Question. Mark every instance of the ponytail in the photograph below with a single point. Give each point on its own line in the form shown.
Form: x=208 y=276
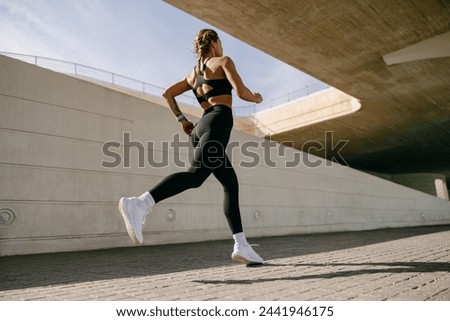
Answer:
x=202 y=43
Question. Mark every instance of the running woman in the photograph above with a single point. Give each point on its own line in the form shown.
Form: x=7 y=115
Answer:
x=212 y=81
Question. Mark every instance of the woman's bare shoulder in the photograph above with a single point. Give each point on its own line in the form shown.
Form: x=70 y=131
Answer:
x=190 y=78
x=225 y=62
x=225 y=59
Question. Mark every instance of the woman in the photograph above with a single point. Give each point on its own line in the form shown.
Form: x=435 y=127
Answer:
x=211 y=80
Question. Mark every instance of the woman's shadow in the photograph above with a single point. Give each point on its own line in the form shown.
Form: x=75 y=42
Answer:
x=369 y=268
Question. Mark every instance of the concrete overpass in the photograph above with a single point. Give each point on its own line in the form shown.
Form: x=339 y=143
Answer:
x=390 y=55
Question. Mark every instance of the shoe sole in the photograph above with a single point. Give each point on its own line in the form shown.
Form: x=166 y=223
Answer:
x=128 y=225
x=243 y=260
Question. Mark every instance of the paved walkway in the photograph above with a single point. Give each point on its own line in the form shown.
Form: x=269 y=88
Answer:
x=393 y=264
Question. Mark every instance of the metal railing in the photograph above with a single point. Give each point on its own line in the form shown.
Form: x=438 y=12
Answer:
x=83 y=71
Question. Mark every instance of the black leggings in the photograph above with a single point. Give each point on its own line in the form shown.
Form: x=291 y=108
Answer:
x=209 y=138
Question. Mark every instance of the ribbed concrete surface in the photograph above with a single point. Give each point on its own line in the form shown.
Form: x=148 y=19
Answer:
x=394 y=264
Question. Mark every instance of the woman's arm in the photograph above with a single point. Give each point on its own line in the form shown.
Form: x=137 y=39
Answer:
x=175 y=90
x=238 y=85
x=170 y=94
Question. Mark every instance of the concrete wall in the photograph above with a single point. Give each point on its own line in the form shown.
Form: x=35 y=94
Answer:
x=53 y=128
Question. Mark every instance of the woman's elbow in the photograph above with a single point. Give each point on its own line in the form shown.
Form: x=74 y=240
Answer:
x=167 y=95
x=243 y=94
x=243 y=97
x=239 y=92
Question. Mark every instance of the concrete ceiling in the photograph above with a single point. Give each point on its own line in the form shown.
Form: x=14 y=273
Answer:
x=404 y=122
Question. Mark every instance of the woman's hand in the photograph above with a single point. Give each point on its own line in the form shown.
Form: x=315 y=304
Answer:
x=188 y=127
x=258 y=97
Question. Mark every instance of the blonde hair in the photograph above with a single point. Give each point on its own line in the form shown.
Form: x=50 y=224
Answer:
x=203 y=41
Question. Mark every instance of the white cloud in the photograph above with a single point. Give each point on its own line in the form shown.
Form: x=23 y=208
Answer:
x=38 y=29
x=146 y=40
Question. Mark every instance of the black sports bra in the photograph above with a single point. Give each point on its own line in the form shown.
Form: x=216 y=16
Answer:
x=219 y=86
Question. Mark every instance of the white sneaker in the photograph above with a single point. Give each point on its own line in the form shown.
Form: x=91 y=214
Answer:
x=134 y=216
x=245 y=254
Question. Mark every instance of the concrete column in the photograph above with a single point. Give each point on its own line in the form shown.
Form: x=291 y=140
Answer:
x=430 y=183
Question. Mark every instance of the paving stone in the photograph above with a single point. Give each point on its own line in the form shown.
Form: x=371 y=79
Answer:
x=391 y=264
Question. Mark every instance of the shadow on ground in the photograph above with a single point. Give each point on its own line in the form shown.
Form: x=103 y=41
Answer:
x=19 y=272
x=361 y=269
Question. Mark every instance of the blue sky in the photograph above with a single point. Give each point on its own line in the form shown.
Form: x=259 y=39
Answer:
x=148 y=40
